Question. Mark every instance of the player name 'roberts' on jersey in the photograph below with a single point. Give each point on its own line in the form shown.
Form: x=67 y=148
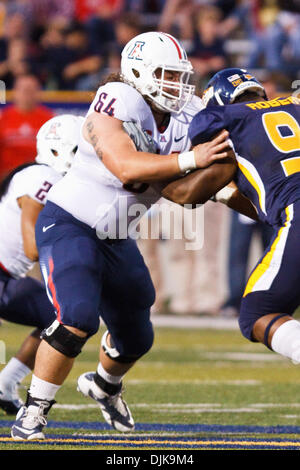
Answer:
x=90 y=192
x=266 y=139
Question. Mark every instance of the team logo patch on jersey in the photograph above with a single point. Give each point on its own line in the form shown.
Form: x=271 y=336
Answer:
x=136 y=51
x=162 y=138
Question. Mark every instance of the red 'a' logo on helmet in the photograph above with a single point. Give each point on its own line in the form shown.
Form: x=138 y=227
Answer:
x=52 y=133
x=136 y=51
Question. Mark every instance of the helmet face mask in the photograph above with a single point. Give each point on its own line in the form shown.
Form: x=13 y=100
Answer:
x=148 y=62
x=57 y=142
x=172 y=95
x=228 y=84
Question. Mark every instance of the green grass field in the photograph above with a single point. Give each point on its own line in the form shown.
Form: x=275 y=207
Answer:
x=205 y=388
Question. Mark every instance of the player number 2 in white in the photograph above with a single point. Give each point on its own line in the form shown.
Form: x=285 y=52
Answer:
x=291 y=143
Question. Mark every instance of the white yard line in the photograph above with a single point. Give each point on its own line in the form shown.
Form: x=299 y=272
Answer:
x=241 y=356
x=188 y=321
x=195 y=382
x=191 y=407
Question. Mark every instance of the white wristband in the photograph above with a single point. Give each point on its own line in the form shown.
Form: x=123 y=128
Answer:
x=224 y=194
x=186 y=161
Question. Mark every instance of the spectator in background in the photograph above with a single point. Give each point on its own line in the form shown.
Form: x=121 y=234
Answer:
x=98 y=17
x=86 y=9
x=126 y=27
x=15 y=52
x=49 y=10
x=207 y=51
x=176 y=18
x=226 y=6
x=18 y=8
x=282 y=44
x=52 y=44
x=19 y=123
x=85 y=59
x=100 y=25
x=255 y=20
x=69 y=58
x=15 y=61
x=145 y=6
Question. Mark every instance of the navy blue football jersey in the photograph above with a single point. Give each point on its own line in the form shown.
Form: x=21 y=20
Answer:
x=266 y=140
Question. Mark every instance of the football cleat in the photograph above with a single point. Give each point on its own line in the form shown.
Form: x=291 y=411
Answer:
x=114 y=409
x=31 y=420
x=10 y=401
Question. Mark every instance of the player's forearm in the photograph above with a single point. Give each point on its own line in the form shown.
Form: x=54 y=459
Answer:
x=199 y=186
x=146 y=167
x=30 y=211
x=242 y=204
x=29 y=243
x=142 y=166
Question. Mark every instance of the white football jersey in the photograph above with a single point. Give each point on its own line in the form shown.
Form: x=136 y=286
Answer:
x=35 y=182
x=90 y=192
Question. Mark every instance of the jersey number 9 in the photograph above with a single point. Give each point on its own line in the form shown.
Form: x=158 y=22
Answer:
x=285 y=144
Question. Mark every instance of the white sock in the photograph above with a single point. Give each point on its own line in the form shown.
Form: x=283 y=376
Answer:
x=112 y=379
x=41 y=389
x=14 y=372
x=286 y=340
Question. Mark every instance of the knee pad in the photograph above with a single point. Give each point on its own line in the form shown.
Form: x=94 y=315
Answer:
x=63 y=340
x=114 y=354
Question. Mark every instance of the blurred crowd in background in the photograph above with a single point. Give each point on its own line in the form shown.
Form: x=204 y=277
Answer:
x=74 y=44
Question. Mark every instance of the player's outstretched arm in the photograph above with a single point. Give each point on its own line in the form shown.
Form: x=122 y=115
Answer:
x=213 y=182
x=30 y=211
x=118 y=153
x=199 y=186
x=237 y=201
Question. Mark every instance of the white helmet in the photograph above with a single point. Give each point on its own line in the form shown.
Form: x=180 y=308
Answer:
x=146 y=53
x=57 y=141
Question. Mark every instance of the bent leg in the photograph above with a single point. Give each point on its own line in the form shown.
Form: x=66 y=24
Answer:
x=128 y=295
x=25 y=302
x=27 y=352
x=272 y=292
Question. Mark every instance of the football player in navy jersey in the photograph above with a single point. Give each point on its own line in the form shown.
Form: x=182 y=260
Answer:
x=265 y=137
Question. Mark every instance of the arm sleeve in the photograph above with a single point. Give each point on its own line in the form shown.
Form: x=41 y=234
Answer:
x=35 y=182
x=205 y=125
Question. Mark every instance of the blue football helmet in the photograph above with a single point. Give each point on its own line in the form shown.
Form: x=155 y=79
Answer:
x=225 y=86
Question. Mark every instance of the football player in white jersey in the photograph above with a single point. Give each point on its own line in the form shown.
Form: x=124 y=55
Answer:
x=90 y=263
x=23 y=194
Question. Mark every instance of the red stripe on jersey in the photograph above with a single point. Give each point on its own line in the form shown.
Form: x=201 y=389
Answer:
x=4 y=269
x=52 y=289
x=176 y=44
